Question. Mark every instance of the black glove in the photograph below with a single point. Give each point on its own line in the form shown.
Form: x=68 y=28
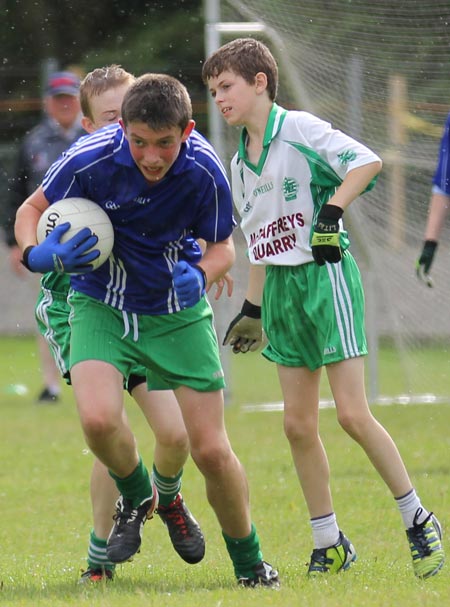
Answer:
x=245 y=331
x=325 y=242
x=425 y=260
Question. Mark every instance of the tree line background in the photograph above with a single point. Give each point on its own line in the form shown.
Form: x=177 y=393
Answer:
x=165 y=36
x=168 y=36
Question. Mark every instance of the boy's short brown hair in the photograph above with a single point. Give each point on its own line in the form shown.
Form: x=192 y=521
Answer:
x=100 y=80
x=244 y=57
x=159 y=101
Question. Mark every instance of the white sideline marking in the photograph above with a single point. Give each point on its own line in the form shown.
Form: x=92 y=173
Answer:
x=401 y=399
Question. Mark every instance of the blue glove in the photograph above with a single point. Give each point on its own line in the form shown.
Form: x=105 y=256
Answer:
x=72 y=256
x=189 y=283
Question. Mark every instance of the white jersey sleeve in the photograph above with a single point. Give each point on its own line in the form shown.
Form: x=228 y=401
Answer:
x=303 y=161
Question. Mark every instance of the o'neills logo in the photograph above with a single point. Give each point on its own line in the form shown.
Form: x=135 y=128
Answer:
x=263 y=189
x=52 y=221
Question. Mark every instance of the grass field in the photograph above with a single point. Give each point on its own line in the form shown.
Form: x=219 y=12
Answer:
x=45 y=510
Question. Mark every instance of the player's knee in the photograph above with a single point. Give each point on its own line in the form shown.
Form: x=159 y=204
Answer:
x=211 y=457
x=354 y=425
x=174 y=439
x=299 y=430
x=98 y=427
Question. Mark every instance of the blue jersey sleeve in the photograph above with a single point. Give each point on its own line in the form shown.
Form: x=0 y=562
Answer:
x=60 y=182
x=441 y=177
x=215 y=221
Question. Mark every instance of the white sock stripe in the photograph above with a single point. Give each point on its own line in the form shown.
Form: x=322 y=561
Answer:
x=167 y=488
x=98 y=555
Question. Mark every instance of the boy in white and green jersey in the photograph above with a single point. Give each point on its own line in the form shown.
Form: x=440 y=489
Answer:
x=292 y=178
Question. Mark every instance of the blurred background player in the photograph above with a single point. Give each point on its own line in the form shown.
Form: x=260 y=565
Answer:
x=438 y=209
x=58 y=129
x=101 y=95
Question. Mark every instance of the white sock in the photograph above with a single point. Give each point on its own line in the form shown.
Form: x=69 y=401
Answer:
x=325 y=531
x=410 y=506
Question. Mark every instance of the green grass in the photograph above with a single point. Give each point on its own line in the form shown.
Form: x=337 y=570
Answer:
x=45 y=511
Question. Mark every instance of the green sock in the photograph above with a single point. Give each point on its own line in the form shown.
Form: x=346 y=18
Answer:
x=245 y=553
x=137 y=486
x=168 y=486
x=97 y=558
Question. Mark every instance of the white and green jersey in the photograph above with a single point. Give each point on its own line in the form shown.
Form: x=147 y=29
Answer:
x=303 y=161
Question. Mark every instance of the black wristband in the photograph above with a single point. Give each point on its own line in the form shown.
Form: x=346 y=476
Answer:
x=203 y=274
x=25 y=256
x=330 y=211
x=430 y=246
x=250 y=310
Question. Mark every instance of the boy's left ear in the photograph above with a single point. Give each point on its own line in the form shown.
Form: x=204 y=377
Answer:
x=261 y=81
x=188 y=130
x=87 y=124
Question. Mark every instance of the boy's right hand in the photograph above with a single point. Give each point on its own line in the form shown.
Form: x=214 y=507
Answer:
x=72 y=256
x=325 y=241
x=245 y=332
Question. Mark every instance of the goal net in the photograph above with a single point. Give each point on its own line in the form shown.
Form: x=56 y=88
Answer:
x=380 y=72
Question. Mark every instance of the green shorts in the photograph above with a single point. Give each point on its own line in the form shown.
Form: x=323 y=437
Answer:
x=177 y=349
x=52 y=315
x=314 y=315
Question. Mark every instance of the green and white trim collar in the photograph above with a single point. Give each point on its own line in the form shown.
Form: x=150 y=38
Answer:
x=276 y=118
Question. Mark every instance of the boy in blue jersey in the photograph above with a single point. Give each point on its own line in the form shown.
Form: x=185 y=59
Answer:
x=101 y=96
x=163 y=188
x=439 y=207
x=292 y=178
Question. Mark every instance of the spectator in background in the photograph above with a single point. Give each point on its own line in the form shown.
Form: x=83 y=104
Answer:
x=58 y=129
x=438 y=209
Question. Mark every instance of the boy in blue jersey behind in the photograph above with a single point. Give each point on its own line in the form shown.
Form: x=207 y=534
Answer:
x=438 y=208
x=163 y=188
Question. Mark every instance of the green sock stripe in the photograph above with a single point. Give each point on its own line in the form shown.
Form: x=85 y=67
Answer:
x=244 y=552
x=97 y=553
x=97 y=541
x=168 y=486
x=137 y=486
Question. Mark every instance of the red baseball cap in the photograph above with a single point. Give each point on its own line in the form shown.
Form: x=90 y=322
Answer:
x=63 y=83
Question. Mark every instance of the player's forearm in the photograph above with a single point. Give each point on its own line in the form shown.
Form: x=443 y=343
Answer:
x=255 y=288
x=354 y=184
x=25 y=226
x=27 y=218
x=217 y=259
x=439 y=207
